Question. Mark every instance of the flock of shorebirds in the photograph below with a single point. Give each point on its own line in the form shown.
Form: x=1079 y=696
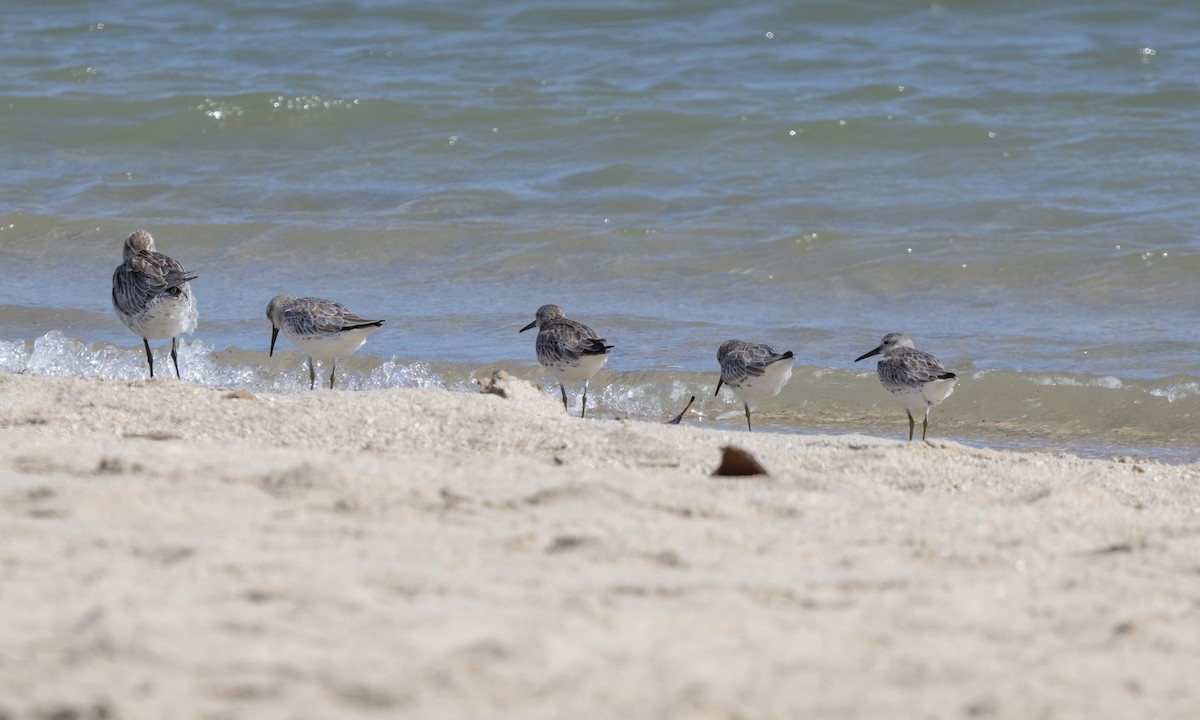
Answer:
x=152 y=295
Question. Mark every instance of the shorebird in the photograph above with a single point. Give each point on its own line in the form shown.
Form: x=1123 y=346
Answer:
x=151 y=295
x=755 y=371
x=571 y=349
x=320 y=328
x=916 y=379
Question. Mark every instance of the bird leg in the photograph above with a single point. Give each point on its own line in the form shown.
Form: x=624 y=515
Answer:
x=332 y=370
x=149 y=356
x=925 y=426
x=584 y=410
x=175 y=359
x=747 y=406
x=911 y=424
x=312 y=375
x=564 y=396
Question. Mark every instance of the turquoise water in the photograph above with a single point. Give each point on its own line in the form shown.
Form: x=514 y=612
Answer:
x=1014 y=187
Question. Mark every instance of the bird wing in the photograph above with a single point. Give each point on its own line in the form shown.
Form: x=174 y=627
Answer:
x=158 y=272
x=314 y=316
x=750 y=360
x=913 y=366
x=567 y=341
x=148 y=276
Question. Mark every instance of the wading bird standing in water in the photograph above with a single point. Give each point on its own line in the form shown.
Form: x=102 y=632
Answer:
x=754 y=371
x=152 y=295
x=571 y=349
x=320 y=328
x=916 y=379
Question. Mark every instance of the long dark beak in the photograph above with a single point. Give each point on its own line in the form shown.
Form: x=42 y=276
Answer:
x=718 y=392
x=679 y=418
x=528 y=327
x=274 y=334
x=876 y=351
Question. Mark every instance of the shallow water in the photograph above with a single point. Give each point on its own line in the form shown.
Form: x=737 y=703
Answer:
x=1013 y=188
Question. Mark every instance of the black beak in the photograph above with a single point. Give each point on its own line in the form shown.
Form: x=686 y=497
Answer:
x=274 y=334
x=528 y=327
x=679 y=418
x=876 y=351
x=718 y=392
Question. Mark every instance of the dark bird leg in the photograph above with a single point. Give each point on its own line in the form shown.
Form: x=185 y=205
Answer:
x=564 y=394
x=584 y=410
x=925 y=425
x=747 y=406
x=312 y=375
x=175 y=359
x=332 y=370
x=911 y=424
x=149 y=356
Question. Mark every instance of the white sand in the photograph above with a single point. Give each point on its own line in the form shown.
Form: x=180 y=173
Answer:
x=167 y=552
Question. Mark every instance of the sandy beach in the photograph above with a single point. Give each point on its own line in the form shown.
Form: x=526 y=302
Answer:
x=168 y=551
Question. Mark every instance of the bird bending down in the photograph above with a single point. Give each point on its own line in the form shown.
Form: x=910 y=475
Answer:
x=319 y=328
x=916 y=379
x=571 y=349
x=755 y=371
x=151 y=295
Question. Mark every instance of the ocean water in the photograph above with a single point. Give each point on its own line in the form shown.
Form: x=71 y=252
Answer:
x=1014 y=185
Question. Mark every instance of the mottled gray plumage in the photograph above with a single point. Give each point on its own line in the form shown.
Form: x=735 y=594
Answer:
x=741 y=360
x=320 y=328
x=915 y=378
x=151 y=295
x=571 y=349
x=755 y=371
x=562 y=341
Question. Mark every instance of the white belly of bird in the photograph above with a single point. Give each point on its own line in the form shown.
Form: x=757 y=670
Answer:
x=918 y=398
x=328 y=346
x=584 y=369
x=755 y=389
x=169 y=317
